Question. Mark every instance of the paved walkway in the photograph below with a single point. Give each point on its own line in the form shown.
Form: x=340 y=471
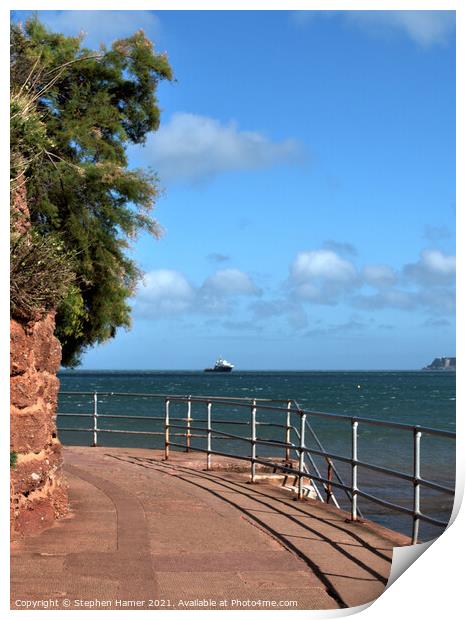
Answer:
x=168 y=534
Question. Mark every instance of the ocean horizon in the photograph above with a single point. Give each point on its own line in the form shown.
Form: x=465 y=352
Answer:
x=71 y=371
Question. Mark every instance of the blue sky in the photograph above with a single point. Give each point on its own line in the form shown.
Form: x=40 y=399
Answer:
x=308 y=166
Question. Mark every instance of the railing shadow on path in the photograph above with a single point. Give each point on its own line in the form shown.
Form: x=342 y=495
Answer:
x=272 y=502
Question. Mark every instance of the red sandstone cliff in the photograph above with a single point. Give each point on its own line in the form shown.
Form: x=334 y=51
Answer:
x=38 y=491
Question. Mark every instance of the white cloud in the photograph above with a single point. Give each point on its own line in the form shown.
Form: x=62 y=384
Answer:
x=428 y=284
x=379 y=276
x=433 y=268
x=100 y=26
x=425 y=28
x=168 y=293
x=321 y=276
x=324 y=264
x=191 y=148
x=324 y=277
x=230 y=282
x=164 y=292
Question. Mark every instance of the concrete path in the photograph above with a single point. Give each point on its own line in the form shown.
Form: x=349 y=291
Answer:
x=149 y=533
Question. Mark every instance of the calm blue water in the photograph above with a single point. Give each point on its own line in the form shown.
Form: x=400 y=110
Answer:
x=423 y=398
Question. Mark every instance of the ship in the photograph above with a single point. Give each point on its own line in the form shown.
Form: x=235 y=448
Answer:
x=442 y=363
x=221 y=365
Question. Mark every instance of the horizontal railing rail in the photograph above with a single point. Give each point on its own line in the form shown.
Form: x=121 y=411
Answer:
x=304 y=466
x=238 y=402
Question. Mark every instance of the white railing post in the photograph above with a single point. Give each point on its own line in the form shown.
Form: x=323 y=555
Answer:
x=253 y=441
x=95 y=415
x=288 y=431
x=416 y=485
x=167 y=428
x=302 y=445
x=354 y=471
x=188 y=426
x=209 y=435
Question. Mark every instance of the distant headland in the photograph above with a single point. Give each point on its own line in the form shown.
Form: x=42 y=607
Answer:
x=442 y=363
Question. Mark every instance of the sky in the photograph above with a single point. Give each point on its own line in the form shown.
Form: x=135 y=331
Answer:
x=307 y=161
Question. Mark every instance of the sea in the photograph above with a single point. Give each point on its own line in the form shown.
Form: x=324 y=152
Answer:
x=420 y=398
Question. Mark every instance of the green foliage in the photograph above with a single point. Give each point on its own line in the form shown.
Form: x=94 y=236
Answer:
x=13 y=460
x=75 y=315
x=28 y=136
x=41 y=271
x=88 y=107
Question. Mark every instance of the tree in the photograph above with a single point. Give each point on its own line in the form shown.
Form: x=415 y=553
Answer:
x=88 y=107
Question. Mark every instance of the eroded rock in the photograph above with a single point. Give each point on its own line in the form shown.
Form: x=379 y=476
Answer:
x=38 y=492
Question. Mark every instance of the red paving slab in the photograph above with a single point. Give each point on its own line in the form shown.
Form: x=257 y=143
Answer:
x=148 y=533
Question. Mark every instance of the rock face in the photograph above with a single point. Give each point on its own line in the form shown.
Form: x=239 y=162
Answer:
x=38 y=492
x=442 y=363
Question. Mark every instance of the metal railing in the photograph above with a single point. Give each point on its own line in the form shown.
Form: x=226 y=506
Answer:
x=297 y=434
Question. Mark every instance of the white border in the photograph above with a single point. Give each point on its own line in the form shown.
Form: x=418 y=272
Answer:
x=434 y=586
